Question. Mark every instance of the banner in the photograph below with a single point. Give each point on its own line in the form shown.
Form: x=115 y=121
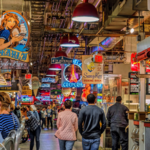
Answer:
x=15 y=33
x=61 y=60
x=92 y=73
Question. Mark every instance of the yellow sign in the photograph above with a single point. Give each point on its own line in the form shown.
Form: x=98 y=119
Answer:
x=26 y=90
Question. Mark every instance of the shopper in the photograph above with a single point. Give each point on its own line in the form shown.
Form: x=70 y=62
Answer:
x=91 y=116
x=17 y=112
x=12 y=108
x=118 y=121
x=7 y=121
x=43 y=116
x=75 y=108
x=35 y=128
x=49 y=117
x=67 y=124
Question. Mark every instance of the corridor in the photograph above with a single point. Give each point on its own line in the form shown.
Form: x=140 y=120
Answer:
x=49 y=142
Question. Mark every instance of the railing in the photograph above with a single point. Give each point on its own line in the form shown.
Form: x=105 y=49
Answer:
x=14 y=139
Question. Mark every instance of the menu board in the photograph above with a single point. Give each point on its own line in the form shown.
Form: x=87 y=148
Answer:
x=134 y=83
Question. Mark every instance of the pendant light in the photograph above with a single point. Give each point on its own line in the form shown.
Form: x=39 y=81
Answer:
x=69 y=41
x=85 y=12
x=50 y=73
x=55 y=67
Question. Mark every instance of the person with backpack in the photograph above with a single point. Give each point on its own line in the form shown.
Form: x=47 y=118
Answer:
x=35 y=128
x=18 y=113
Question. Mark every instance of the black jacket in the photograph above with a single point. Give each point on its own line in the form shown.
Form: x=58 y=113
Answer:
x=91 y=116
x=117 y=116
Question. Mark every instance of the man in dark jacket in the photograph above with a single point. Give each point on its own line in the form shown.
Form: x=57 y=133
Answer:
x=91 y=116
x=118 y=121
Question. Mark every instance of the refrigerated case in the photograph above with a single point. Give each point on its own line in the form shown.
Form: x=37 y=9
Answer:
x=111 y=89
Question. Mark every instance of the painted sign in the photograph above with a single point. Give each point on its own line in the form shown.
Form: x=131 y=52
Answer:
x=72 y=74
x=13 y=88
x=61 y=60
x=14 y=36
x=92 y=73
x=2 y=80
x=49 y=80
x=45 y=85
x=6 y=63
x=26 y=90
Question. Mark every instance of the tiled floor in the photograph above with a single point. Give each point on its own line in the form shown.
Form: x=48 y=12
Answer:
x=49 y=142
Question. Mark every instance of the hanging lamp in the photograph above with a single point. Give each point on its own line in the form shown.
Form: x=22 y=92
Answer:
x=69 y=41
x=51 y=73
x=55 y=67
x=85 y=12
x=60 y=54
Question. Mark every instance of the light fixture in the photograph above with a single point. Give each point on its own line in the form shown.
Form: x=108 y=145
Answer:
x=28 y=22
x=85 y=12
x=50 y=73
x=60 y=53
x=31 y=63
x=54 y=67
x=132 y=30
x=69 y=41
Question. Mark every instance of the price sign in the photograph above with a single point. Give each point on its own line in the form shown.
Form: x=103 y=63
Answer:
x=28 y=76
x=98 y=58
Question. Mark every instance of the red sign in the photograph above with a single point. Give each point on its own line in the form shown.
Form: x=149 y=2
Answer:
x=98 y=58
x=28 y=76
x=135 y=66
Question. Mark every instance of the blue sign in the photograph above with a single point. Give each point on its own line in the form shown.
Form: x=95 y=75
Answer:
x=50 y=80
x=61 y=60
x=45 y=85
x=66 y=83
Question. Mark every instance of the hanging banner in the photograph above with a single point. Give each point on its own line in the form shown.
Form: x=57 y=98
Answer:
x=15 y=33
x=92 y=73
x=61 y=60
x=49 y=80
x=6 y=63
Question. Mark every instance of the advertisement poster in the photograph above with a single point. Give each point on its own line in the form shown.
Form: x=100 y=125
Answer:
x=92 y=73
x=14 y=37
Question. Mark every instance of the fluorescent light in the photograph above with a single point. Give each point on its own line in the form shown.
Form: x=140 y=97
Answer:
x=132 y=30
x=69 y=45
x=85 y=19
x=31 y=63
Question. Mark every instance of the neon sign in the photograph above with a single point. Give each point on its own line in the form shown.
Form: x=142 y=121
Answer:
x=50 y=80
x=45 y=85
x=26 y=98
x=66 y=82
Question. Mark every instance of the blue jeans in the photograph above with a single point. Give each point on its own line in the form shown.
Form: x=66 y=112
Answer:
x=66 y=145
x=90 y=144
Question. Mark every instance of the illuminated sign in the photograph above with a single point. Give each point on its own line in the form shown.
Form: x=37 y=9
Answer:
x=28 y=76
x=16 y=36
x=99 y=92
x=50 y=80
x=66 y=77
x=61 y=60
x=26 y=98
x=45 y=85
x=98 y=58
x=55 y=92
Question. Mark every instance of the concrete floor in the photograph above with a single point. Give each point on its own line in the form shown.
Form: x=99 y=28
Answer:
x=48 y=142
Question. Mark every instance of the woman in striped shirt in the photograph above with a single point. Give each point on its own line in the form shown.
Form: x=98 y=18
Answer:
x=7 y=121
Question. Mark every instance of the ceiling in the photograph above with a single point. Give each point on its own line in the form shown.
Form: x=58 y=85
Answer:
x=51 y=19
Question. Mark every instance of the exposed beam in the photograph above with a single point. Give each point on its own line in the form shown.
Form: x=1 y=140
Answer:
x=125 y=16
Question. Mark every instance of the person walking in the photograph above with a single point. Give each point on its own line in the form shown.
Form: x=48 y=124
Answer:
x=118 y=121
x=49 y=117
x=35 y=128
x=91 y=116
x=43 y=116
x=67 y=124
x=7 y=121
x=17 y=112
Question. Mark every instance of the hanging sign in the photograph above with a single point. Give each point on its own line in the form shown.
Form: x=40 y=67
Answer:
x=92 y=73
x=45 y=85
x=61 y=60
x=28 y=76
x=98 y=58
x=26 y=90
x=26 y=98
x=6 y=63
x=15 y=33
x=2 y=80
x=49 y=80
x=7 y=76
x=55 y=92
x=72 y=75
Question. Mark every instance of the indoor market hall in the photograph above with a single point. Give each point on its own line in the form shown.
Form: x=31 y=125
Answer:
x=74 y=74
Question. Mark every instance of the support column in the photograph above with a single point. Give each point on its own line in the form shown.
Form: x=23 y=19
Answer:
x=142 y=93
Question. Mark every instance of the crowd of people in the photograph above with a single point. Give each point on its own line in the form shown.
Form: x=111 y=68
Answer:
x=89 y=121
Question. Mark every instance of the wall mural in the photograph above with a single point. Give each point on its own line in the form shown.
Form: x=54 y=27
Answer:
x=14 y=39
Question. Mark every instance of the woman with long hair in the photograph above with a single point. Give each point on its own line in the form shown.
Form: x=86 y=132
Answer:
x=67 y=124
x=8 y=27
x=7 y=121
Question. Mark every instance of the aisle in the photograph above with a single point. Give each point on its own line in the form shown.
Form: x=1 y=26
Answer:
x=48 y=142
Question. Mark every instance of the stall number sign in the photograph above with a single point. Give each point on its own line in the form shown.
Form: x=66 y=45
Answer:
x=26 y=90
